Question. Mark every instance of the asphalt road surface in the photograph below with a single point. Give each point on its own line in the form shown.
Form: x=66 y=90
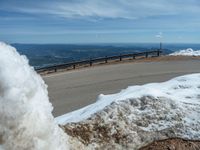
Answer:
x=72 y=90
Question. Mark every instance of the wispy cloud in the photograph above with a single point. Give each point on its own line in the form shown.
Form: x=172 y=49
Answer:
x=127 y=9
x=137 y=19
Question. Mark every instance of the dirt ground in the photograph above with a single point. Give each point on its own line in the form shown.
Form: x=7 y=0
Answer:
x=173 y=144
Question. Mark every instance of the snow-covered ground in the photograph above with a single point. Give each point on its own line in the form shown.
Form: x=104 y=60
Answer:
x=186 y=52
x=139 y=115
x=126 y=120
x=184 y=89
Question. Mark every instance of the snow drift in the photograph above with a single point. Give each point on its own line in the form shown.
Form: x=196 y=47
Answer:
x=139 y=115
x=186 y=52
x=181 y=90
x=26 y=121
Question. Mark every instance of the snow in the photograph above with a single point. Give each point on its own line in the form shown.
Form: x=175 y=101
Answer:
x=186 y=52
x=133 y=117
x=26 y=120
x=184 y=89
x=139 y=115
x=1 y=147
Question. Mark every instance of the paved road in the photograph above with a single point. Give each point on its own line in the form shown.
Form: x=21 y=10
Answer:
x=69 y=91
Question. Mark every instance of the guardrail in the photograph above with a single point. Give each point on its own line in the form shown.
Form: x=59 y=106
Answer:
x=90 y=62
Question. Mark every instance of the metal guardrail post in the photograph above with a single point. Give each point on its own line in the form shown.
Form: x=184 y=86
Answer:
x=158 y=53
x=106 y=59
x=90 y=62
x=146 y=54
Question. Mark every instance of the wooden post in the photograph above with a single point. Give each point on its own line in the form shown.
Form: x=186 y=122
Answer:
x=133 y=56
x=74 y=66
x=55 y=70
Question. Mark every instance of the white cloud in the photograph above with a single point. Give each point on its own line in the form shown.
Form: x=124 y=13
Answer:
x=128 y=9
x=159 y=35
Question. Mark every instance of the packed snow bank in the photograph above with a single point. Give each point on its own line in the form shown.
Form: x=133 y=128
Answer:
x=26 y=121
x=184 y=89
x=139 y=115
x=186 y=52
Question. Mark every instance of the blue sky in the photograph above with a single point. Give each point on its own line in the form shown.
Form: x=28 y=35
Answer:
x=99 y=21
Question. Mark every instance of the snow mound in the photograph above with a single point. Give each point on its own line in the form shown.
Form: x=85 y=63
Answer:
x=134 y=123
x=186 y=52
x=139 y=115
x=181 y=90
x=26 y=121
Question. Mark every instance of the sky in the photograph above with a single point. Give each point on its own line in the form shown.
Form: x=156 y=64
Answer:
x=100 y=21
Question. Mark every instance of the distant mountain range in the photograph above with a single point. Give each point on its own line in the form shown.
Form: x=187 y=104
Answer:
x=41 y=55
